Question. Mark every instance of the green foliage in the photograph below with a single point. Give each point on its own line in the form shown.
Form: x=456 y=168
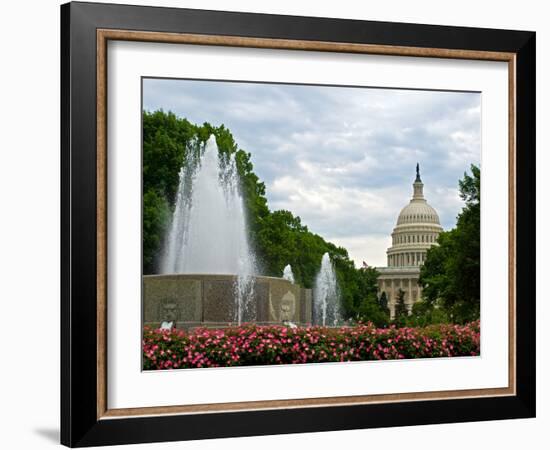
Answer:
x=165 y=139
x=368 y=281
x=282 y=240
x=451 y=272
x=278 y=237
x=371 y=309
x=383 y=303
x=425 y=313
x=401 y=313
x=156 y=216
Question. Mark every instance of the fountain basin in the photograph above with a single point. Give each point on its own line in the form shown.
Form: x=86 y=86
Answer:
x=193 y=300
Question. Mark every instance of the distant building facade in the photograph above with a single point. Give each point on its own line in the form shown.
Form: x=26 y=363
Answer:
x=416 y=231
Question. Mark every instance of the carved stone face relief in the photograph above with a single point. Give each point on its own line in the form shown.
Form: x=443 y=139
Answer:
x=288 y=307
x=168 y=311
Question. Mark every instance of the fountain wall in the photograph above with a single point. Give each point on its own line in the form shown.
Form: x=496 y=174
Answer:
x=209 y=300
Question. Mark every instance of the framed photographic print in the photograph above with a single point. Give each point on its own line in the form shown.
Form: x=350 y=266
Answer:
x=276 y=224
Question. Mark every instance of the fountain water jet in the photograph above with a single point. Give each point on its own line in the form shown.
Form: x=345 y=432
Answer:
x=287 y=273
x=208 y=232
x=326 y=298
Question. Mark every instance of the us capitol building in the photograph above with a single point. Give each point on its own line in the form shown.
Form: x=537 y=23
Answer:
x=416 y=231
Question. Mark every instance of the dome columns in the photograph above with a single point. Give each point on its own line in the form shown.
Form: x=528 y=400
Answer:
x=411 y=258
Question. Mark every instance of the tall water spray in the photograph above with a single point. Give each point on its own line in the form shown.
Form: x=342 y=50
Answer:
x=287 y=273
x=326 y=298
x=208 y=232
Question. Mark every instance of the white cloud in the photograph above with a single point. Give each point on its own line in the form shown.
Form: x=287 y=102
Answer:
x=368 y=248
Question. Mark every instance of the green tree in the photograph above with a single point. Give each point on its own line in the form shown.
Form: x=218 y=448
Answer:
x=425 y=313
x=383 y=303
x=370 y=308
x=156 y=216
x=401 y=313
x=451 y=272
x=370 y=311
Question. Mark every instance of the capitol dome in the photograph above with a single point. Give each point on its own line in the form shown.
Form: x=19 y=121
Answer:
x=418 y=211
x=416 y=230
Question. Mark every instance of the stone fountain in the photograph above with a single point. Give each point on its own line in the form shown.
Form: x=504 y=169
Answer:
x=209 y=274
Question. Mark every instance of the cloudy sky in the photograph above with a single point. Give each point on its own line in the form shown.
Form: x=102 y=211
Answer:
x=343 y=159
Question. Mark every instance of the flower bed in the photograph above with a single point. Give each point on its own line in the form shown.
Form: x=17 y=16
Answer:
x=249 y=345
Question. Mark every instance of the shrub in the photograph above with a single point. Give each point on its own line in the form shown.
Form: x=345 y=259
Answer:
x=249 y=345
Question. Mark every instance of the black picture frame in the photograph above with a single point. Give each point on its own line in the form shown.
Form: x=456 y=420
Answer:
x=80 y=425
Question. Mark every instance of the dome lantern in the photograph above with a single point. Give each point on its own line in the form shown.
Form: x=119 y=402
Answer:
x=418 y=211
x=418 y=186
